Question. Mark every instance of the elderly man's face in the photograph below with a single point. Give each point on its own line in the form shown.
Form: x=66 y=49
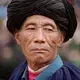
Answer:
x=39 y=38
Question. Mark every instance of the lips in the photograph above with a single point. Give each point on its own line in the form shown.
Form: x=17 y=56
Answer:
x=39 y=50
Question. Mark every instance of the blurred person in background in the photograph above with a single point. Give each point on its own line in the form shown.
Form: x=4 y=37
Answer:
x=40 y=27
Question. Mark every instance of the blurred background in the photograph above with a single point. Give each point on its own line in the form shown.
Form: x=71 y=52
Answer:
x=11 y=55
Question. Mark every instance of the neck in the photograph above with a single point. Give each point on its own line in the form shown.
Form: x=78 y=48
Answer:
x=38 y=66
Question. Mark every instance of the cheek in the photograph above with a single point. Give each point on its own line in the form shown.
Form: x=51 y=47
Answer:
x=25 y=40
x=52 y=39
x=55 y=38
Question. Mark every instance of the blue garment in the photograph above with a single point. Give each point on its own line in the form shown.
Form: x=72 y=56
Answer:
x=50 y=70
x=55 y=71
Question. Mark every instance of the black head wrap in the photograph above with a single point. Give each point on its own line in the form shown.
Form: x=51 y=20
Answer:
x=61 y=11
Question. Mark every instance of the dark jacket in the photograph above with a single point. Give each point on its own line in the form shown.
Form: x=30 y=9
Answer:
x=67 y=72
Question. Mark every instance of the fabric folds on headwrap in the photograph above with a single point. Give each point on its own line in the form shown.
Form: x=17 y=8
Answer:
x=72 y=25
x=60 y=11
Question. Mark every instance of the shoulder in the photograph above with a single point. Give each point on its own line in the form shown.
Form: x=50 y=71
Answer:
x=72 y=70
x=71 y=67
x=68 y=72
x=18 y=71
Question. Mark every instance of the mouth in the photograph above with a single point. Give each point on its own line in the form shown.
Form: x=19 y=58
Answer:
x=39 y=50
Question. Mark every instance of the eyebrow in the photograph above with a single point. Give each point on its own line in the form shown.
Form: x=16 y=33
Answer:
x=31 y=23
x=53 y=26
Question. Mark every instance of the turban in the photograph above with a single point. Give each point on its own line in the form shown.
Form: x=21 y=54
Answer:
x=61 y=11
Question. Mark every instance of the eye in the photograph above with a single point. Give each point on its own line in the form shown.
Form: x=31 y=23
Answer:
x=30 y=28
x=48 y=29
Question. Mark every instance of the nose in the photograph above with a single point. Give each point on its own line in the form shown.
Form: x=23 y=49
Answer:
x=39 y=37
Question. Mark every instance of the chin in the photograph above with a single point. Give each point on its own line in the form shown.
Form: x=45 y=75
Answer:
x=42 y=60
x=38 y=59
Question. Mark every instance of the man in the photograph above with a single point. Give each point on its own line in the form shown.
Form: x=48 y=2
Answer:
x=40 y=27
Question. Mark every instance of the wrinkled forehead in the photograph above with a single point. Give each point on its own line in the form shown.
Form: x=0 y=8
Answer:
x=39 y=20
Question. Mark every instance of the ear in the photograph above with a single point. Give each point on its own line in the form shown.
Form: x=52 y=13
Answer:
x=17 y=38
x=61 y=40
